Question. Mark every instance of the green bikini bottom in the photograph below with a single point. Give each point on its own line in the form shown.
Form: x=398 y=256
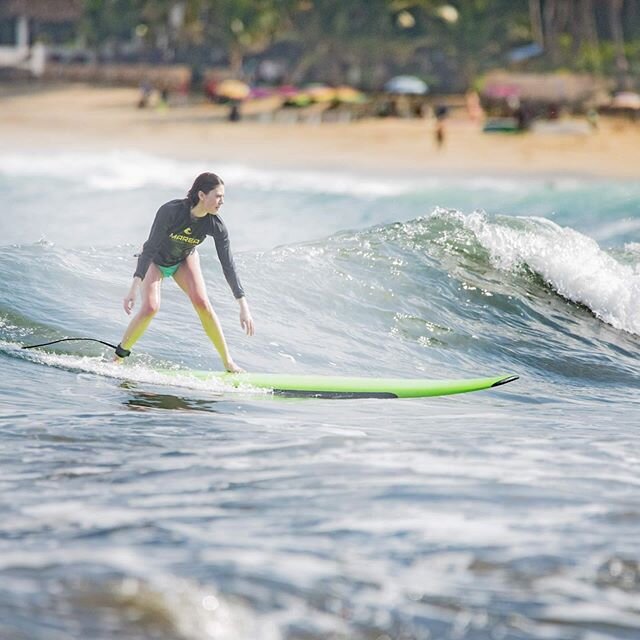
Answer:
x=168 y=272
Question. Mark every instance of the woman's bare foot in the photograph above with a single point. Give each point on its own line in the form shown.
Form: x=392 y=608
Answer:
x=232 y=367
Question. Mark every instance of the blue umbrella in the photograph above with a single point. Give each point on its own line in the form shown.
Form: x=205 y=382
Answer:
x=406 y=84
x=519 y=54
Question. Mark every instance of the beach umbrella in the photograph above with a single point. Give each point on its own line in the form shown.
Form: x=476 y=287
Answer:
x=288 y=91
x=293 y=96
x=320 y=92
x=501 y=90
x=626 y=100
x=301 y=99
x=233 y=90
x=349 y=95
x=261 y=92
x=409 y=85
x=526 y=52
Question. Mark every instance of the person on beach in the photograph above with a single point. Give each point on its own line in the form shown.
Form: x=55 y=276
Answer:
x=170 y=251
x=441 y=115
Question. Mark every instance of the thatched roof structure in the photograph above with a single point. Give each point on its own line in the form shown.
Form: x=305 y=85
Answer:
x=559 y=88
x=42 y=10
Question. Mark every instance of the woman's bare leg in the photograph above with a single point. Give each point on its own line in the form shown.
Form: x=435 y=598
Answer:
x=190 y=280
x=149 y=306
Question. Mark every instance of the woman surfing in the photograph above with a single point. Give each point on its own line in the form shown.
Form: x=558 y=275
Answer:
x=170 y=251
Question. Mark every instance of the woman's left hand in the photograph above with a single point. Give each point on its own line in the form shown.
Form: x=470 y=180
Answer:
x=246 y=321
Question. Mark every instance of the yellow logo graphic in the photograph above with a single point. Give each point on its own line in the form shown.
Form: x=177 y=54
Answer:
x=187 y=231
x=182 y=238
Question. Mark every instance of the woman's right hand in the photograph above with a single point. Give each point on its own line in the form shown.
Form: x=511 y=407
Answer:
x=130 y=299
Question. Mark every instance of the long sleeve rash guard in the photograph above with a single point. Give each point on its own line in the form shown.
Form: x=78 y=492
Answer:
x=175 y=234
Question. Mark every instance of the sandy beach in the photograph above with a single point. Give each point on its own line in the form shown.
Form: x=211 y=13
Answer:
x=79 y=117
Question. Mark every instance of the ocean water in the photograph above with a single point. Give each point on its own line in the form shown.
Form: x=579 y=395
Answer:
x=136 y=507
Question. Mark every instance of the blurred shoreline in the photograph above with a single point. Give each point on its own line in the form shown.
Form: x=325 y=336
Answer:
x=74 y=117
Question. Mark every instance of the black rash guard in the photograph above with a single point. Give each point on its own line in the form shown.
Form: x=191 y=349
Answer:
x=175 y=234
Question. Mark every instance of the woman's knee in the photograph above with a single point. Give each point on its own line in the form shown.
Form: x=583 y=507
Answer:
x=201 y=303
x=150 y=307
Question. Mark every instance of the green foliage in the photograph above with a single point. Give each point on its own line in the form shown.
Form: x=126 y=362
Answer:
x=364 y=41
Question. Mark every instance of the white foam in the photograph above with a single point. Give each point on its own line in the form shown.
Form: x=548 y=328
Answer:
x=625 y=226
x=120 y=170
x=127 y=170
x=130 y=372
x=570 y=262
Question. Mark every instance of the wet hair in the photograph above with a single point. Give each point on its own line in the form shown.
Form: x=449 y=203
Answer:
x=205 y=182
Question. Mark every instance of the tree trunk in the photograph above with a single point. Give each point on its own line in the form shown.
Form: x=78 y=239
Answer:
x=535 y=17
x=564 y=13
x=236 y=60
x=617 y=35
x=588 y=32
x=550 y=16
x=587 y=11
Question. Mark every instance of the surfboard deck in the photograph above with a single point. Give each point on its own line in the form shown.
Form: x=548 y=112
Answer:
x=344 y=386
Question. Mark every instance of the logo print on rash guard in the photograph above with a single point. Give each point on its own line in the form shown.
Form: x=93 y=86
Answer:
x=184 y=237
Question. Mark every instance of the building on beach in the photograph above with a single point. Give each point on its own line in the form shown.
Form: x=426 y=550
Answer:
x=19 y=22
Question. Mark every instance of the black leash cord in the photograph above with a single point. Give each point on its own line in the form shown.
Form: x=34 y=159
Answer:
x=46 y=344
